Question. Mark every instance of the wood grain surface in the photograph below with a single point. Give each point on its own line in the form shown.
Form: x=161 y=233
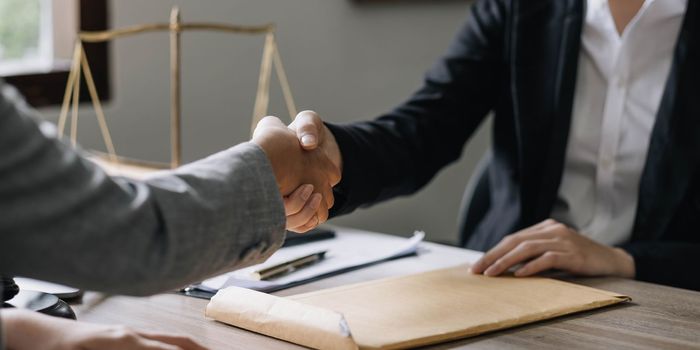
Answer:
x=659 y=317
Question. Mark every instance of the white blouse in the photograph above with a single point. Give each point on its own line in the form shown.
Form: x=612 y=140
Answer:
x=620 y=81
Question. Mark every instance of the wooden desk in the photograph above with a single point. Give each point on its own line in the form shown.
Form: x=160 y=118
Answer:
x=659 y=317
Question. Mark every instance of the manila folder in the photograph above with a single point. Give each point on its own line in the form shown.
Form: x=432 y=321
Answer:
x=408 y=311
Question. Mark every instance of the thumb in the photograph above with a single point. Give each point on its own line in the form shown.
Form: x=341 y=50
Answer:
x=308 y=126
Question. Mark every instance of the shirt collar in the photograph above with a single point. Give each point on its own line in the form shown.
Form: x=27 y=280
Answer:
x=661 y=9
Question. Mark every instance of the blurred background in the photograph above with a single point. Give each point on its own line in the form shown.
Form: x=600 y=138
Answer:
x=347 y=60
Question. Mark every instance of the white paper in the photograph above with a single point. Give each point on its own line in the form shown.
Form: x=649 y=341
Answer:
x=345 y=251
x=58 y=290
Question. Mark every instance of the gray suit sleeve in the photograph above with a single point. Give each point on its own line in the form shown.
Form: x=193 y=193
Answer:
x=63 y=219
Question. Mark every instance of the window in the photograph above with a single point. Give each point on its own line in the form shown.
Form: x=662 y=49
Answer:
x=26 y=44
x=36 y=45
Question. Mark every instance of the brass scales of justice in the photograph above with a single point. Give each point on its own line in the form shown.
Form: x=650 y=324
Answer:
x=110 y=161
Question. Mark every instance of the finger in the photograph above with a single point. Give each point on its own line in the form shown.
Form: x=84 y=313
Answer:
x=544 y=223
x=311 y=224
x=328 y=197
x=185 y=343
x=545 y=229
x=306 y=213
x=334 y=176
x=546 y=261
x=522 y=252
x=308 y=126
x=322 y=213
x=296 y=201
x=539 y=231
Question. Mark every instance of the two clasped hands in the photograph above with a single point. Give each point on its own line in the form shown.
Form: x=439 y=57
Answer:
x=307 y=163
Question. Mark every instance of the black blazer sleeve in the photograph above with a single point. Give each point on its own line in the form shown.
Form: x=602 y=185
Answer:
x=401 y=151
x=671 y=263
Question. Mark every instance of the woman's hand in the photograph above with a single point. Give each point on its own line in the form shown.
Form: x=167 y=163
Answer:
x=30 y=330
x=301 y=209
x=552 y=245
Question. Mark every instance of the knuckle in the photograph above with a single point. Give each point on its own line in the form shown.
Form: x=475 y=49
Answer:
x=550 y=221
x=330 y=199
x=560 y=232
x=293 y=205
x=485 y=261
x=297 y=229
x=527 y=246
x=303 y=229
x=304 y=211
x=568 y=245
x=309 y=115
x=309 y=213
x=292 y=223
x=308 y=128
x=122 y=333
x=269 y=118
x=313 y=222
x=559 y=228
x=550 y=258
x=508 y=239
x=322 y=217
x=334 y=176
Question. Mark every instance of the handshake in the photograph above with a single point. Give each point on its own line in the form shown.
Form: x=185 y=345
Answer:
x=307 y=164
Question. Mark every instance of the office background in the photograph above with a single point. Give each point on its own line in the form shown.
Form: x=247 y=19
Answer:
x=348 y=60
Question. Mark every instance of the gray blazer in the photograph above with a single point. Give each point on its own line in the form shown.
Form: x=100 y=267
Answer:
x=63 y=219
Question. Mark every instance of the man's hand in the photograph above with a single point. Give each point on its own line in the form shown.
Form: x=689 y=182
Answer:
x=301 y=208
x=293 y=167
x=552 y=245
x=30 y=330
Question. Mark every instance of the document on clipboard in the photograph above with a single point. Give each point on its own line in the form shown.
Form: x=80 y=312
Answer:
x=344 y=253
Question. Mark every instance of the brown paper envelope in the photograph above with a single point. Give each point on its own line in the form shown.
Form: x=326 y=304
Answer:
x=449 y=304
x=281 y=318
x=405 y=311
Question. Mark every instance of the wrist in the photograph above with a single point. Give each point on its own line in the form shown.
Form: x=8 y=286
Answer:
x=333 y=150
x=624 y=263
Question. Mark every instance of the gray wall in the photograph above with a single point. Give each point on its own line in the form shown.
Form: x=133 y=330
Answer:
x=346 y=60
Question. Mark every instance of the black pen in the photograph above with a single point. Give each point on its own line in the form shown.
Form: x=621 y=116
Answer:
x=288 y=266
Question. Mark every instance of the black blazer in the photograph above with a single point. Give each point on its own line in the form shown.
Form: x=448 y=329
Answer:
x=518 y=58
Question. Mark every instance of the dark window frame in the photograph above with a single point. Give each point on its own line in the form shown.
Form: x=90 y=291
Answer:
x=47 y=89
